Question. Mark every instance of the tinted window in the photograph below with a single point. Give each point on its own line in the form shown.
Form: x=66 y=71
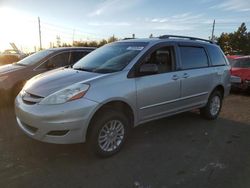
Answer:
x=231 y=61
x=56 y=61
x=35 y=58
x=60 y=60
x=76 y=56
x=161 y=57
x=193 y=57
x=216 y=56
x=241 y=63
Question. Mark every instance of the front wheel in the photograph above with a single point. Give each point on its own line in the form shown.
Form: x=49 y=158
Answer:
x=213 y=107
x=108 y=133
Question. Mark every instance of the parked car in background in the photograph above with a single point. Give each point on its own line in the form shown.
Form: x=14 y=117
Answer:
x=11 y=55
x=13 y=76
x=240 y=68
x=232 y=57
x=120 y=86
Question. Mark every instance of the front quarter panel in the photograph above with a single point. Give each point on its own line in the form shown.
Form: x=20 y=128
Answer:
x=115 y=87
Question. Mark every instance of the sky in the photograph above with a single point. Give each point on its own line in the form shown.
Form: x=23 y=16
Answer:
x=98 y=19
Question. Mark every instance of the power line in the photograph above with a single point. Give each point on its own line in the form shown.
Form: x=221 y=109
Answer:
x=70 y=29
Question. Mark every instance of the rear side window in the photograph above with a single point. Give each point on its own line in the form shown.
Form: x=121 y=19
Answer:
x=216 y=56
x=193 y=57
x=60 y=60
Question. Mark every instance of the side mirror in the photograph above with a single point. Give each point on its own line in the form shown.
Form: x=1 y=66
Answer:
x=50 y=65
x=147 y=69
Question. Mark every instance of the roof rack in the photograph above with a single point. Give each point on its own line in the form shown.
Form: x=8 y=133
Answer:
x=185 y=37
x=128 y=38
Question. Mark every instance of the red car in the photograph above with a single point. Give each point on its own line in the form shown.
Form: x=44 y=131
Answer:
x=240 y=68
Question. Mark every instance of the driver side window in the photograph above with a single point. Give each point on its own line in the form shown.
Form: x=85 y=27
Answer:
x=162 y=58
x=60 y=60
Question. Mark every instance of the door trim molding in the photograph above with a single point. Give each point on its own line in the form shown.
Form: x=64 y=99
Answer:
x=174 y=100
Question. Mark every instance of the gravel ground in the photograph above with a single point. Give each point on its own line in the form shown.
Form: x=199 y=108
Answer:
x=180 y=151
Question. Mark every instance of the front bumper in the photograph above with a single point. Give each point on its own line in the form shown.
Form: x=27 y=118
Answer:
x=61 y=124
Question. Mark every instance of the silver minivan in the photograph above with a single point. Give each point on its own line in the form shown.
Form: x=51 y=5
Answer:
x=120 y=86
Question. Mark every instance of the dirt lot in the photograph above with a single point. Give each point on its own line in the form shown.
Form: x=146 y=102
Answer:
x=180 y=151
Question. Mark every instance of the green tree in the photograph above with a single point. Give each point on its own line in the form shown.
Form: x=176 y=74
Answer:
x=92 y=43
x=224 y=41
x=237 y=42
x=112 y=39
x=65 y=45
x=102 y=42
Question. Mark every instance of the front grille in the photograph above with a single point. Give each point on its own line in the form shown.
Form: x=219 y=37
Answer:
x=30 y=99
x=58 y=133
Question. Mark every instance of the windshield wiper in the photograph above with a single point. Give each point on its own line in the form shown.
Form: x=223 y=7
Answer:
x=104 y=70
x=83 y=69
x=20 y=64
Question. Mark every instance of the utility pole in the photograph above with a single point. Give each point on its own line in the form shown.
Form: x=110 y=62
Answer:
x=58 y=41
x=73 y=38
x=212 y=37
x=40 y=35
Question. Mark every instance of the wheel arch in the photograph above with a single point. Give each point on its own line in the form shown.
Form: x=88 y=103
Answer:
x=118 y=104
x=219 y=88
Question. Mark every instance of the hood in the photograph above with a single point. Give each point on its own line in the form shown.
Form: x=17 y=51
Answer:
x=243 y=73
x=9 y=68
x=52 y=81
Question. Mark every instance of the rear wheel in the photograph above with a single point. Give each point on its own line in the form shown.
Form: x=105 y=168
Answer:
x=108 y=133
x=213 y=107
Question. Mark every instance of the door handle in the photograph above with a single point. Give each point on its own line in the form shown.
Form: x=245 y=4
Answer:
x=185 y=75
x=175 y=77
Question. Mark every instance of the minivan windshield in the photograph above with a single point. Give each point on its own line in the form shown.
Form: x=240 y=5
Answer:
x=110 y=58
x=34 y=58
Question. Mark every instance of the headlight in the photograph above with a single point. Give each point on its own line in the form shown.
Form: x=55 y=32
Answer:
x=22 y=93
x=2 y=78
x=70 y=93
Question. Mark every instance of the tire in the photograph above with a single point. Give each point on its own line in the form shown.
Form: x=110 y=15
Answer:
x=213 y=107
x=108 y=133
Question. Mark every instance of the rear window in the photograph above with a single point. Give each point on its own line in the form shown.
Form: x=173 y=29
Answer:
x=193 y=57
x=231 y=61
x=217 y=58
x=241 y=63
